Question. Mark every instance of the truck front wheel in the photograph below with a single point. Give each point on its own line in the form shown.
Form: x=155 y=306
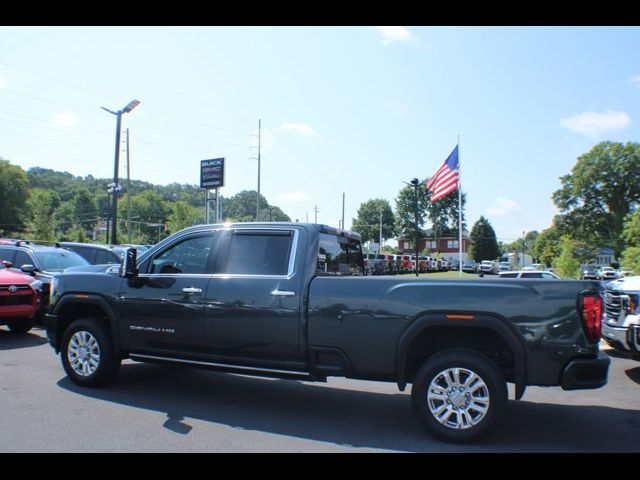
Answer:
x=458 y=395
x=87 y=354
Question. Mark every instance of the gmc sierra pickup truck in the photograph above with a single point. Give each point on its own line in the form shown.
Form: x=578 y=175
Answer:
x=289 y=300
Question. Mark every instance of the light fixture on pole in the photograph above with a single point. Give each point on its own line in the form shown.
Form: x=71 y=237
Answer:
x=114 y=208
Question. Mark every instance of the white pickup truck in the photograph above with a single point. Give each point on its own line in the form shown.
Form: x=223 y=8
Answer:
x=621 y=319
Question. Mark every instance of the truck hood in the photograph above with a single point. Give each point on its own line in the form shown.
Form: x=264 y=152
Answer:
x=626 y=284
x=91 y=268
x=8 y=277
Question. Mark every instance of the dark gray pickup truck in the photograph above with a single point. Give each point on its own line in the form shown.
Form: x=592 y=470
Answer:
x=290 y=300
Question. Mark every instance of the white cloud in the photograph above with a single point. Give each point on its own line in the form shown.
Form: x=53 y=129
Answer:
x=64 y=119
x=635 y=80
x=593 y=124
x=502 y=207
x=296 y=196
x=297 y=128
x=393 y=34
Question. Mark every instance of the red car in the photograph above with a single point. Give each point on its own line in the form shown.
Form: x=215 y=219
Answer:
x=20 y=297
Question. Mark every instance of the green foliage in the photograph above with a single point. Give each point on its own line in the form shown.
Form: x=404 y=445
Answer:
x=443 y=215
x=567 y=264
x=631 y=235
x=406 y=212
x=631 y=259
x=14 y=185
x=485 y=245
x=182 y=216
x=546 y=246
x=602 y=189
x=85 y=212
x=367 y=222
x=40 y=204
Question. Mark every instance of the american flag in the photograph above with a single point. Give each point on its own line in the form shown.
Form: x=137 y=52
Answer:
x=446 y=179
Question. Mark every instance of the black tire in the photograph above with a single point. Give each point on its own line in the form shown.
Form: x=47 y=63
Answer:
x=107 y=365
x=445 y=429
x=21 y=326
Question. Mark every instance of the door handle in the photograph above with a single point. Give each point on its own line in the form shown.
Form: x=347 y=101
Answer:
x=192 y=290
x=282 y=293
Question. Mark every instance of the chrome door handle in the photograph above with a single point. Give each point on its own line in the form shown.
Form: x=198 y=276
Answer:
x=282 y=293
x=191 y=290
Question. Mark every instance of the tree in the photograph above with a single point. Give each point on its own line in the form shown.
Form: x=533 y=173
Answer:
x=567 y=265
x=546 y=246
x=631 y=235
x=14 y=185
x=40 y=204
x=367 y=221
x=405 y=211
x=182 y=216
x=85 y=212
x=443 y=215
x=603 y=187
x=485 y=245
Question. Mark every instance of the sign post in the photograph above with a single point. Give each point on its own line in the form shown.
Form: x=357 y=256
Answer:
x=212 y=176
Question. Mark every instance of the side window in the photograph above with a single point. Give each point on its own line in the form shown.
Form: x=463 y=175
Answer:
x=188 y=256
x=259 y=253
x=340 y=256
x=547 y=275
x=22 y=259
x=104 y=256
x=83 y=252
x=532 y=275
x=509 y=275
x=7 y=254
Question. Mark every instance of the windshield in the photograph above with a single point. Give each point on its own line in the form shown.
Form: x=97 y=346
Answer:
x=58 y=261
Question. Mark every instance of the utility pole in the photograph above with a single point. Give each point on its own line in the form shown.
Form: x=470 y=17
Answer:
x=128 y=190
x=415 y=182
x=380 y=244
x=343 y=210
x=258 y=198
x=315 y=209
x=523 y=249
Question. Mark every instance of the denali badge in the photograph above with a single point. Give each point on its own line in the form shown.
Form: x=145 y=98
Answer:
x=152 y=329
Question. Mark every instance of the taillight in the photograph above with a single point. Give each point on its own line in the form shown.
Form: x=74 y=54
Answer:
x=592 y=315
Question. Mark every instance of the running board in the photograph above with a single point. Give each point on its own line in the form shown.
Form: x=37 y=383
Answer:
x=237 y=369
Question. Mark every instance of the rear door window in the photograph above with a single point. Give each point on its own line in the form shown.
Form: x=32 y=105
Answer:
x=259 y=253
x=22 y=258
x=7 y=254
x=339 y=256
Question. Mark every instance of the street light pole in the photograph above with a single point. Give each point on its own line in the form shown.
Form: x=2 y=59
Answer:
x=415 y=182
x=114 y=209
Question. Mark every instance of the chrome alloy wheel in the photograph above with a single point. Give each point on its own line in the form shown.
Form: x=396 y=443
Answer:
x=458 y=398
x=83 y=353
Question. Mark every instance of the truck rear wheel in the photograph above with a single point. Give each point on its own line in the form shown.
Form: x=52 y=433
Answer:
x=458 y=395
x=87 y=354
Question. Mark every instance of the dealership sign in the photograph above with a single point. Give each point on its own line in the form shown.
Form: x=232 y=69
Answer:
x=212 y=173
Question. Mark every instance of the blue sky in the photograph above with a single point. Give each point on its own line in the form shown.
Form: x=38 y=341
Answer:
x=343 y=109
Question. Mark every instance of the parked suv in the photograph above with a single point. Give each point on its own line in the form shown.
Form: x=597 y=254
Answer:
x=488 y=266
x=20 y=297
x=621 y=322
x=608 y=273
x=39 y=261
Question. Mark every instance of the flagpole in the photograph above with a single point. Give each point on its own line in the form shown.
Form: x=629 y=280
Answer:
x=459 y=213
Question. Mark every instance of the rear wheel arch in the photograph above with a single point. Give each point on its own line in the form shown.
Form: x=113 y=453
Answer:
x=433 y=332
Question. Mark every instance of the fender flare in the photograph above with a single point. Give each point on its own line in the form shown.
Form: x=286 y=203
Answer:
x=90 y=299
x=482 y=320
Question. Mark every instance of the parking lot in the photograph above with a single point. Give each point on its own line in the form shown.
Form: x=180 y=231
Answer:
x=153 y=408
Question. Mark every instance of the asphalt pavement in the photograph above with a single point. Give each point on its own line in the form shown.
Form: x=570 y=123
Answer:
x=152 y=408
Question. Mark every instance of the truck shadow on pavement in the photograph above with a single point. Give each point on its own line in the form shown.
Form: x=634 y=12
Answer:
x=342 y=416
x=12 y=341
x=634 y=374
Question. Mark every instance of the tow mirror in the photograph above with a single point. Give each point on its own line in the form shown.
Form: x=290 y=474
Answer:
x=129 y=263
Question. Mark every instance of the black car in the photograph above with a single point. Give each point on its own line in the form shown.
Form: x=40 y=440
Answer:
x=96 y=253
x=40 y=261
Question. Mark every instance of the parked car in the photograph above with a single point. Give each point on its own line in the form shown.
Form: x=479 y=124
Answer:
x=20 y=299
x=97 y=253
x=607 y=273
x=39 y=261
x=489 y=266
x=505 y=266
x=470 y=266
x=621 y=319
x=529 y=274
x=589 y=273
x=251 y=299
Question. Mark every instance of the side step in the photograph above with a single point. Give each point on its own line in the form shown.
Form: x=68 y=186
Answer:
x=238 y=369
